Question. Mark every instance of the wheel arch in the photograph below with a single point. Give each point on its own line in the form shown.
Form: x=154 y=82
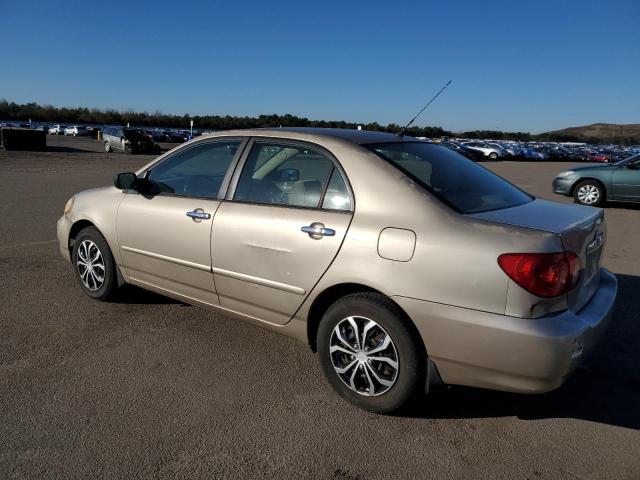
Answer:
x=80 y=225
x=76 y=228
x=593 y=179
x=335 y=292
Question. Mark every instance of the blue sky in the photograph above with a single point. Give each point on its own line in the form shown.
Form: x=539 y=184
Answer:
x=515 y=65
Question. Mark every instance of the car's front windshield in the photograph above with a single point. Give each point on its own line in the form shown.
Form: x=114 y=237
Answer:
x=630 y=159
x=459 y=182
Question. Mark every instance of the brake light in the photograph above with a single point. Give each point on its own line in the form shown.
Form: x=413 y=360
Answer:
x=545 y=275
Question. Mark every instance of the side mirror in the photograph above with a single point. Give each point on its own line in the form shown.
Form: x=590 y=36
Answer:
x=126 y=181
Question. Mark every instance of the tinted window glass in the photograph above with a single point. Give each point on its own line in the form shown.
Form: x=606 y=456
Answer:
x=135 y=134
x=194 y=172
x=634 y=159
x=458 y=181
x=284 y=175
x=337 y=196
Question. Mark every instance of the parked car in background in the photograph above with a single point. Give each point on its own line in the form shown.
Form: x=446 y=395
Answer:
x=488 y=151
x=402 y=263
x=501 y=148
x=76 y=131
x=57 y=130
x=530 y=152
x=595 y=184
x=160 y=136
x=512 y=150
x=463 y=150
x=128 y=140
x=179 y=136
x=595 y=156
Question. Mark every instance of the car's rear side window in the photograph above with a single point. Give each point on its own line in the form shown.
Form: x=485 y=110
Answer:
x=291 y=175
x=459 y=182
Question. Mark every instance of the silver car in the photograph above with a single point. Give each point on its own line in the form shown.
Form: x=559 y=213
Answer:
x=402 y=263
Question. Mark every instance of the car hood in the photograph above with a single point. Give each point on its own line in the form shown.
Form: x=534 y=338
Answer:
x=582 y=168
x=94 y=190
x=552 y=217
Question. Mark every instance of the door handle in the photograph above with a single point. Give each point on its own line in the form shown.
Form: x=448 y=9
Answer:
x=199 y=214
x=317 y=230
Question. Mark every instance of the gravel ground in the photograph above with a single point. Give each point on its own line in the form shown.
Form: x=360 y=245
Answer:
x=151 y=388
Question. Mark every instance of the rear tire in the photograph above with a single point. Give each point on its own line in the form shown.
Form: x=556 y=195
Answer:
x=493 y=155
x=107 y=147
x=93 y=265
x=352 y=365
x=589 y=192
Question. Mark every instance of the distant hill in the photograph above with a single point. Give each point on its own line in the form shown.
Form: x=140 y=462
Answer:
x=599 y=133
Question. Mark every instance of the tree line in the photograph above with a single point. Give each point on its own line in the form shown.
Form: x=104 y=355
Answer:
x=12 y=111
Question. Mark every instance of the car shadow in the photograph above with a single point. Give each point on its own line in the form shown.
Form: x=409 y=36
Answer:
x=605 y=389
x=622 y=206
x=138 y=296
x=52 y=148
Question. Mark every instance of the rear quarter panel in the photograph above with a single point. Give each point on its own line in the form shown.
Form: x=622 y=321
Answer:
x=455 y=258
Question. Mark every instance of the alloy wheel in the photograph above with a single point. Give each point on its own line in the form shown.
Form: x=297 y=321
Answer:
x=364 y=356
x=90 y=265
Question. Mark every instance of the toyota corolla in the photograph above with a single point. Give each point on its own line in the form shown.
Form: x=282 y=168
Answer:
x=402 y=263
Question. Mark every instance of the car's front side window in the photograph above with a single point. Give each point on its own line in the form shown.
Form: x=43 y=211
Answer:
x=197 y=171
x=294 y=175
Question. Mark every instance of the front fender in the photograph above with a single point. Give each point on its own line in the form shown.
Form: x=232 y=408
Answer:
x=100 y=208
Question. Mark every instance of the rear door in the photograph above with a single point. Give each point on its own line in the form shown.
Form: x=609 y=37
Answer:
x=280 y=228
x=165 y=235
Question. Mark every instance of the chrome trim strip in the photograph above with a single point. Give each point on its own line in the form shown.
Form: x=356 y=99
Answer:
x=177 y=261
x=260 y=281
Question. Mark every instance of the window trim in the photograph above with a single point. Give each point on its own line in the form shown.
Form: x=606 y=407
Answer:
x=227 y=176
x=231 y=190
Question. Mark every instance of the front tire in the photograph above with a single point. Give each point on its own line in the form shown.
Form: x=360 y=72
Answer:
x=107 y=147
x=493 y=156
x=93 y=265
x=589 y=192
x=370 y=354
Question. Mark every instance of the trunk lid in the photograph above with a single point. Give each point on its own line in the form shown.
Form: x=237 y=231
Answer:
x=581 y=229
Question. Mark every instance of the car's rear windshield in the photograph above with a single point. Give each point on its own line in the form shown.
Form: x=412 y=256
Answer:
x=459 y=182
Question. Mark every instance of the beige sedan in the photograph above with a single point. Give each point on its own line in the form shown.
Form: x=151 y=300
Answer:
x=402 y=263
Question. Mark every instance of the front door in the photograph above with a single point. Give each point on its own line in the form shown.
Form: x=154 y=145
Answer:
x=279 y=230
x=625 y=182
x=164 y=232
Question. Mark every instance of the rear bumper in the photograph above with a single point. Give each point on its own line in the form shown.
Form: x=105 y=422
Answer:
x=562 y=186
x=493 y=351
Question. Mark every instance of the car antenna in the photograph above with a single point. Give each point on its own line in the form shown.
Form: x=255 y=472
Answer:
x=402 y=130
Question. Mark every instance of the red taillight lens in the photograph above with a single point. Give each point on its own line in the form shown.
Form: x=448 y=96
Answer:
x=545 y=275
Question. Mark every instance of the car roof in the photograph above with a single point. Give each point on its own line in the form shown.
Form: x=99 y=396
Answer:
x=359 y=137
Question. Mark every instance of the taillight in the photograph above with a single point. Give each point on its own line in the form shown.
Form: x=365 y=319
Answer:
x=545 y=275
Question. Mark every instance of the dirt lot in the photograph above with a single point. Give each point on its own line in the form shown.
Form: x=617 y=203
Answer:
x=151 y=388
